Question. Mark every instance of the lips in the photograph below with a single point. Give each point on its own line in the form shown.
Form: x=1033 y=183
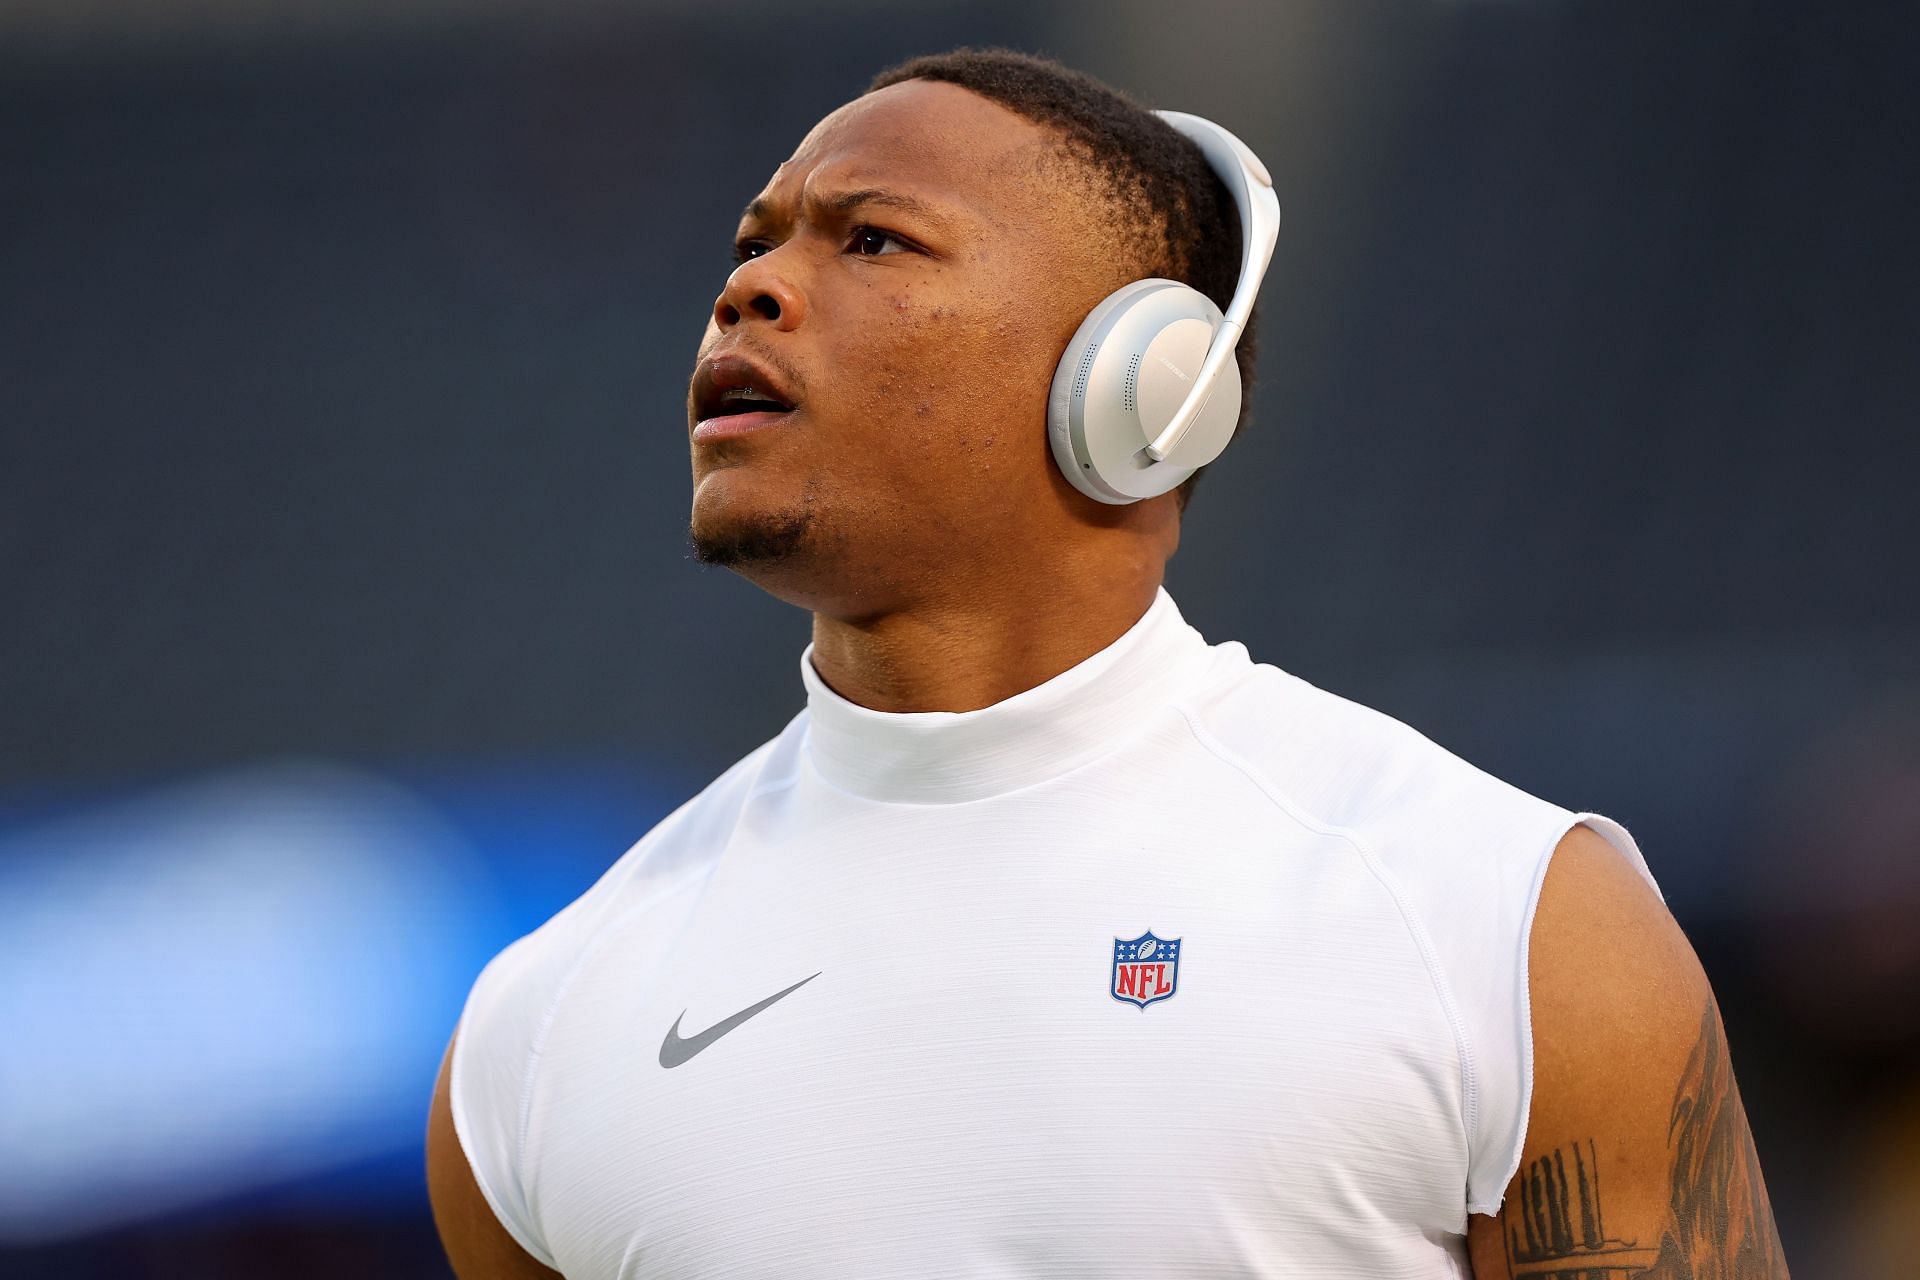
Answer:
x=732 y=394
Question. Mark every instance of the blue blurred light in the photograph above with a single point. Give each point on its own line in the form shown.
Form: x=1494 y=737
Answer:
x=250 y=980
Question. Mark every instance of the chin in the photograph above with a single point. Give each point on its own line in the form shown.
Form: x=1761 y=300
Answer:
x=776 y=539
x=731 y=529
x=789 y=539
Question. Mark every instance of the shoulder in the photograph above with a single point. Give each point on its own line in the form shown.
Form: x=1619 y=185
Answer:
x=1619 y=999
x=492 y=1066
x=1337 y=765
x=1617 y=996
x=1594 y=908
x=1464 y=854
x=1634 y=1092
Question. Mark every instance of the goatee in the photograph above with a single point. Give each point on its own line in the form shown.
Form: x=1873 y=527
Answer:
x=761 y=541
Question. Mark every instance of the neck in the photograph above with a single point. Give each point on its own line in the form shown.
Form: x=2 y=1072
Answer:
x=972 y=651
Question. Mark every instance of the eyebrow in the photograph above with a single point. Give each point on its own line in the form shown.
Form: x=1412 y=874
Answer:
x=760 y=209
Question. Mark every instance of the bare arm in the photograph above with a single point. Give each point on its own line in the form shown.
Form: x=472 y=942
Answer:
x=477 y=1245
x=1639 y=1164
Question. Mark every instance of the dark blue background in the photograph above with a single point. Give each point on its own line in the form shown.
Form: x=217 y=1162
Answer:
x=341 y=372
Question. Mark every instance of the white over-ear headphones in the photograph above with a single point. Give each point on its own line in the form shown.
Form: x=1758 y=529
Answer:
x=1147 y=392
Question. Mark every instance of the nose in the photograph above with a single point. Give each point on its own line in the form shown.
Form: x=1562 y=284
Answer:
x=761 y=289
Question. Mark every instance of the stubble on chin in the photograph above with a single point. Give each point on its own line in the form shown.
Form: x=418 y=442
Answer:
x=765 y=539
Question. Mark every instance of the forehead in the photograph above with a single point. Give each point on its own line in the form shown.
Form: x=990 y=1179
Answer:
x=933 y=140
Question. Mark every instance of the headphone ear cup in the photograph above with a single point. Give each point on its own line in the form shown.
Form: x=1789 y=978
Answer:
x=1165 y=377
x=1121 y=380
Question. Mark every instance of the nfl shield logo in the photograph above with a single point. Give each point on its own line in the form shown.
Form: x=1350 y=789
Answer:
x=1146 y=969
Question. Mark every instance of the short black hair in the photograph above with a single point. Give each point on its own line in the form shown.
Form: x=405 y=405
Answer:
x=1177 y=213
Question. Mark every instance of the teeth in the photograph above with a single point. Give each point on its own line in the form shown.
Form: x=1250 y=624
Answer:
x=734 y=395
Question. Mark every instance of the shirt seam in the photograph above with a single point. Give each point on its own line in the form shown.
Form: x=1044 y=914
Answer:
x=1409 y=918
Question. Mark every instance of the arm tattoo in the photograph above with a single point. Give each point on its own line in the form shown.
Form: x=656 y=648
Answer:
x=1720 y=1225
x=1562 y=1231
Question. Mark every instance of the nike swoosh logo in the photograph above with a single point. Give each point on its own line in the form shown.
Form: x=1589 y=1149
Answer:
x=674 y=1050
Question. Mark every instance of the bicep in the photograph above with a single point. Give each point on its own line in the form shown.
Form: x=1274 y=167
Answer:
x=1638 y=1160
x=478 y=1247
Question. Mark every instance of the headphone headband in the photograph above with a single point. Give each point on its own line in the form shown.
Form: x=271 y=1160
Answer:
x=1147 y=391
x=1252 y=189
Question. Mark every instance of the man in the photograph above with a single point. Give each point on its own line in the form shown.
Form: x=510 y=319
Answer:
x=1050 y=940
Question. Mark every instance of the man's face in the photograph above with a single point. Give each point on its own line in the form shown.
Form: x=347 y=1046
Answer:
x=868 y=415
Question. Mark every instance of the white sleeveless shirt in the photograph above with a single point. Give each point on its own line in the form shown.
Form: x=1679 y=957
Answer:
x=1172 y=966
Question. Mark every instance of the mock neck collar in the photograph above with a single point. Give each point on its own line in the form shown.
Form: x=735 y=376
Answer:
x=944 y=757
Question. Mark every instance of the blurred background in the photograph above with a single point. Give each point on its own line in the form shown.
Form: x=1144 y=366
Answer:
x=350 y=630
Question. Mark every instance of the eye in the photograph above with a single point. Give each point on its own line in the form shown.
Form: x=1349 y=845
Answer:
x=871 y=242
x=746 y=249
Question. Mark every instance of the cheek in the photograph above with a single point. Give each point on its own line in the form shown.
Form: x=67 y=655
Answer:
x=954 y=375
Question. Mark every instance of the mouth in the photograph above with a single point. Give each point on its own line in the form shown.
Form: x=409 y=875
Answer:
x=732 y=396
